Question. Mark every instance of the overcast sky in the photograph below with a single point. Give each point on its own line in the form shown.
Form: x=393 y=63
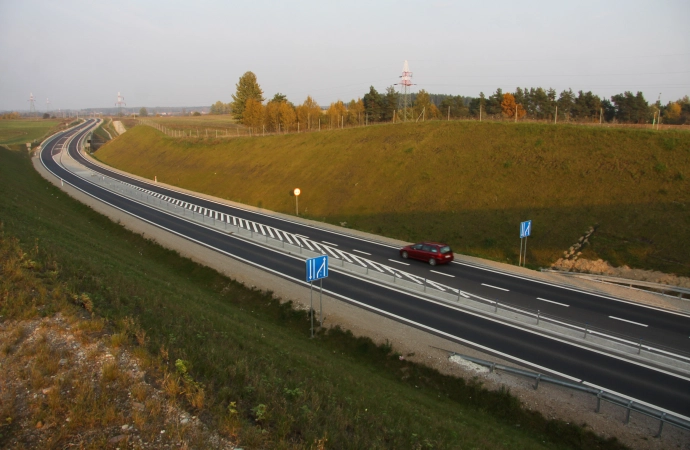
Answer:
x=79 y=54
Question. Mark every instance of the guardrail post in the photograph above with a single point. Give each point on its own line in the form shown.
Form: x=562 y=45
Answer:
x=639 y=348
x=627 y=415
x=493 y=367
x=536 y=385
x=495 y=307
x=598 y=401
x=458 y=295
x=585 y=336
x=538 y=313
x=661 y=424
x=424 y=284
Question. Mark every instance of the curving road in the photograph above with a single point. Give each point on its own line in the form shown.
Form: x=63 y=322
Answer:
x=645 y=384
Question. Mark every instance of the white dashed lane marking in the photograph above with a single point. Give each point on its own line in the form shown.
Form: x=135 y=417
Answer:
x=551 y=301
x=329 y=243
x=629 y=321
x=359 y=251
x=496 y=287
x=444 y=274
x=399 y=262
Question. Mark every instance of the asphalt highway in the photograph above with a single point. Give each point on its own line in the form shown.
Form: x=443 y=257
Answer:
x=636 y=381
x=627 y=319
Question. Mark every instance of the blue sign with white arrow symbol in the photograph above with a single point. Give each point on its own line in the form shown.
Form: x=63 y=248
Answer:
x=525 y=228
x=317 y=268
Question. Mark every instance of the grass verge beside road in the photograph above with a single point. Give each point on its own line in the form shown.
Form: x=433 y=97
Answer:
x=466 y=183
x=21 y=131
x=242 y=361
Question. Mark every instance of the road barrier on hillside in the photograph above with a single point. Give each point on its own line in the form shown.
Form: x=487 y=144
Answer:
x=626 y=403
x=295 y=244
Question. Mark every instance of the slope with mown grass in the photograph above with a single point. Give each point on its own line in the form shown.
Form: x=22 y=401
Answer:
x=466 y=183
x=240 y=360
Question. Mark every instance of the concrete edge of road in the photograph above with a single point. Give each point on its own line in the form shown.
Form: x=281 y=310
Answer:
x=600 y=343
x=588 y=286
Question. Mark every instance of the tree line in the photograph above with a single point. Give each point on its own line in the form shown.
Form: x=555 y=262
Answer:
x=279 y=114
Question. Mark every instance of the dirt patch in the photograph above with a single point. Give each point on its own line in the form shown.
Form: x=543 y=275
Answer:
x=61 y=387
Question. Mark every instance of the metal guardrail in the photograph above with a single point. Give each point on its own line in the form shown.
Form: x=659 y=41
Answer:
x=661 y=288
x=297 y=244
x=623 y=402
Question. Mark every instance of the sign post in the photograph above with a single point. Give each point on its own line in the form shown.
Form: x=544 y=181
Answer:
x=525 y=231
x=317 y=269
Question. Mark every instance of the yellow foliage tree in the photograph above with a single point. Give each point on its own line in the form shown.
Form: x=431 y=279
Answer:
x=287 y=116
x=508 y=107
x=308 y=114
x=355 y=112
x=335 y=112
x=672 y=112
x=253 y=116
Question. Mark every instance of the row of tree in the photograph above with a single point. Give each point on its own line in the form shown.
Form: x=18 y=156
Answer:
x=279 y=114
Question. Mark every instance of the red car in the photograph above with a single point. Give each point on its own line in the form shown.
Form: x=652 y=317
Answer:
x=432 y=252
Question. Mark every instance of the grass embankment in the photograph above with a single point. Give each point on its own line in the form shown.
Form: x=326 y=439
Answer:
x=223 y=124
x=263 y=382
x=21 y=131
x=466 y=183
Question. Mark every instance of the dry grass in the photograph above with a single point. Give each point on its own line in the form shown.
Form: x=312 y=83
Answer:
x=466 y=183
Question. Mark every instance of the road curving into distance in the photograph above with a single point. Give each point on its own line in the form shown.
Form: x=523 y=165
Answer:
x=639 y=382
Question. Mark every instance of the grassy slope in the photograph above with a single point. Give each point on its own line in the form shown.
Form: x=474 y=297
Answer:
x=247 y=348
x=21 y=131
x=466 y=183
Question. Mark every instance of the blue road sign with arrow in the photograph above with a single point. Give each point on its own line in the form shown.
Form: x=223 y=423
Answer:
x=525 y=228
x=317 y=268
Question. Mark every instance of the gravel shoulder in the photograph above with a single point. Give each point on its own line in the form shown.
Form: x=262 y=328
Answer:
x=417 y=345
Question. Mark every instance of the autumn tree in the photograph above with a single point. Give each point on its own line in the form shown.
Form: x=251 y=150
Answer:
x=509 y=107
x=336 y=112
x=309 y=114
x=422 y=103
x=247 y=87
x=143 y=112
x=355 y=112
x=287 y=116
x=672 y=112
x=253 y=113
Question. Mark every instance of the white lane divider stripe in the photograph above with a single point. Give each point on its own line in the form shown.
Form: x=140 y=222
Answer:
x=629 y=321
x=551 y=301
x=444 y=274
x=496 y=287
x=330 y=243
x=359 y=251
x=399 y=262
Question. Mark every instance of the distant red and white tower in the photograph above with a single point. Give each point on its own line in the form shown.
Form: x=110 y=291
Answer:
x=120 y=102
x=32 y=104
x=405 y=84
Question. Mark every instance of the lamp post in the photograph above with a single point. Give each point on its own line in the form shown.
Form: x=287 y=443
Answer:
x=297 y=192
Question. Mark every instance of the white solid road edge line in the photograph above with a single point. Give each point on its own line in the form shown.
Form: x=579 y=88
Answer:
x=551 y=301
x=629 y=321
x=360 y=251
x=495 y=287
x=441 y=273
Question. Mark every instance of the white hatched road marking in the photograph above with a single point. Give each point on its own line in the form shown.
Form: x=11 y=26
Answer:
x=344 y=256
x=496 y=287
x=270 y=231
x=551 y=301
x=364 y=264
x=330 y=243
x=441 y=273
x=629 y=321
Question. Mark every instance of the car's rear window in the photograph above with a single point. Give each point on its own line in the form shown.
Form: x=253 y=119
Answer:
x=445 y=249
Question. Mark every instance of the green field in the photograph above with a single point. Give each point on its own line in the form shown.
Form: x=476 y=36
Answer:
x=21 y=131
x=265 y=382
x=466 y=183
